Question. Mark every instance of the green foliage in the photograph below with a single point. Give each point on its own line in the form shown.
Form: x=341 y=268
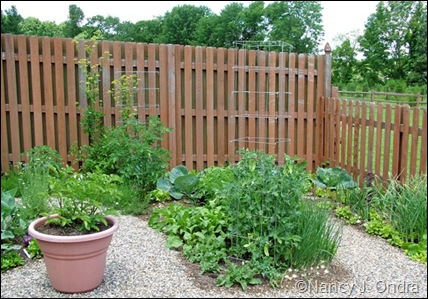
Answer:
x=389 y=39
x=201 y=231
x=10 y=260
x=179 y=24
x=10 y=21
x=234 y=23
x=325 y=193
x=12 y=225
x=262 y=208
x=253 y=214
x=345 y=66
x=131 y=201
x=12 y=228
x=405 y=207
x=79 y=198
x=213 y=182
x=34 y=26
x=179 y=182
x=132 y=151
x=43 y=158
x=106 y=27
x=34 y=189
x=74 y=21
x=242 y=274
x=346 y=213
x=327 y=205
x=333 y=178
x=34 y=250
x=396 y=212
x=159 y=195
x=298 y=23
x=10 y=180
x=319 y=236
x=359 y=200
x=92 y=120
x=377 y=226
x=417 y=251
x=44 y=162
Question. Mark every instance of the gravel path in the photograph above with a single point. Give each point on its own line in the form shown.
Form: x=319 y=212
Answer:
x=140 y=265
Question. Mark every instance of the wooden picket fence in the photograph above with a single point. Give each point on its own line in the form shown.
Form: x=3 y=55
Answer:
x=387 y=140
x=216 y=101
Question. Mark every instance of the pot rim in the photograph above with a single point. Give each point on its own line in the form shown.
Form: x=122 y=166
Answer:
x=71 y=239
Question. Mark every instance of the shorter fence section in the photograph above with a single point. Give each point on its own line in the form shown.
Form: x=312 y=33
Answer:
x=387 y=140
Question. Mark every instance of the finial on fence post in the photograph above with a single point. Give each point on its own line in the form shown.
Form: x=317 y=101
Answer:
x=327 y=71
x=327 y=49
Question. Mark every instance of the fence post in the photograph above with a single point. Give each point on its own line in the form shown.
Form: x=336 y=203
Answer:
x=327 y=71
x=418 y=100
x=175 y=159
x=323 y=148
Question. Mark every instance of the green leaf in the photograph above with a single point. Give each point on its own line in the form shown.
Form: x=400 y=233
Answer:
x=176 y=172
x=7 y=235
x=255 y=281
x=266 y=249
x=174 y=242
x=175 y=194
x=164 y=185
x=200 y=235
x=187 y=183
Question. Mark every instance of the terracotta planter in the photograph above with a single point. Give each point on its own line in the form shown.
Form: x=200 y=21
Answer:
x=75 y=264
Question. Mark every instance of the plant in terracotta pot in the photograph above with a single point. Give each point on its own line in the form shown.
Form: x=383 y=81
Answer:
x=75 y=238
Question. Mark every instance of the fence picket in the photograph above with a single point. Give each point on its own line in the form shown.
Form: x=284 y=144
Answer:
x=210 y=132
x=221 y=95
x=24 y=94
x=386 y=151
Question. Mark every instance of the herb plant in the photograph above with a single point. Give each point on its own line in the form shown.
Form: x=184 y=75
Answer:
x=79 y=199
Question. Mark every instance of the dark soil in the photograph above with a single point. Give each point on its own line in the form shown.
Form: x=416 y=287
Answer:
x=207 y=281
x=56 y=230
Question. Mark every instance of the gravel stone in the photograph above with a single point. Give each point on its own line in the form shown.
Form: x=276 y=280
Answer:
x=140 y=265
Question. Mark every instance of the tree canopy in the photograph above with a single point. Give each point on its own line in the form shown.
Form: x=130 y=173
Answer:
x=392 y=48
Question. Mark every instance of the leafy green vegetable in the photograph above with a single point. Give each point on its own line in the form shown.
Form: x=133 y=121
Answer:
x=333 y=178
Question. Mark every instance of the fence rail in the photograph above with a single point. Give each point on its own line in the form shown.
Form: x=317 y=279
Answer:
x=370 y=96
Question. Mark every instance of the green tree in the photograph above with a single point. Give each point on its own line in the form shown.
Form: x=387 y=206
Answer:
x=74 y=21
x=345 y=64
x=10 y=20
x=394 y=42
x=235 y=23
x=106 y=27
x=33 y=26
x=255 y=25
x=298 y=23
x=179 y=25
x=205 y=33
x=374 y=47
x=147 y=31
x=125 y=31
x=417 y=40
x=221 y=30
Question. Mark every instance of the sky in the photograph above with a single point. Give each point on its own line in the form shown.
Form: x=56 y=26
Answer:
x=339 y=17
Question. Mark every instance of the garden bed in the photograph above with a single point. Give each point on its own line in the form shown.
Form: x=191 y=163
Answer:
x=140 y=265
